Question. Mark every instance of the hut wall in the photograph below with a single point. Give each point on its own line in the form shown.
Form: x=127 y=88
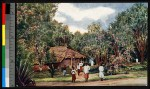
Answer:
x=75 y=62
x=67 y=62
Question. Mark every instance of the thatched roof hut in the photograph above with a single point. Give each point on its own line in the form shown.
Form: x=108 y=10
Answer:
x=62 y=52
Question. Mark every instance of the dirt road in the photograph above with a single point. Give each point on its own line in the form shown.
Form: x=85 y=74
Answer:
x=115 y=82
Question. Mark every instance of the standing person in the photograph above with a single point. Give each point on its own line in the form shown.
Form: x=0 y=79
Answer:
x=73 y=73
x=136 y=60
x=78 y=68
x=81 y=65
x=86 y=72
x=64 y=70
x=101 y=73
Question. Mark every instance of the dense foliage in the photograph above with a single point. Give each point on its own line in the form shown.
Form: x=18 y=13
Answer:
x=130 y=30
x=37 y=32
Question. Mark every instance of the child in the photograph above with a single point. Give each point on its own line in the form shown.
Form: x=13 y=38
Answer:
x=73 y=73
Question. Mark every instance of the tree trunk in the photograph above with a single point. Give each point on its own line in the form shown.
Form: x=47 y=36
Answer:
x=140 y=44
x=142 y=57
x=116 y=50
x=96 y=59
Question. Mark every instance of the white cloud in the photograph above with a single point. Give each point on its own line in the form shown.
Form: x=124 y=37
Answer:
x=59 y=18
x=74 y=29
x=78 y=14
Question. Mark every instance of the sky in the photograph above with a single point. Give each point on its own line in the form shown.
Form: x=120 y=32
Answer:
x=79 y=15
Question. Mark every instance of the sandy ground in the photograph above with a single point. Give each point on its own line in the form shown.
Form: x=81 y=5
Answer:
x=116 y=82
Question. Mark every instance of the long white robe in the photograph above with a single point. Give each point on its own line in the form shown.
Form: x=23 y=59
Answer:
x=86 y=69
x=101 y=73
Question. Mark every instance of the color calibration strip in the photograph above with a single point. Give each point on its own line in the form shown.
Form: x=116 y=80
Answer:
x=7 y=24
x=12 y=45
x=3 y=44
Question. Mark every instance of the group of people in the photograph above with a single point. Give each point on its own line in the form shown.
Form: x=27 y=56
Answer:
x=85 y=69
x=79 y=69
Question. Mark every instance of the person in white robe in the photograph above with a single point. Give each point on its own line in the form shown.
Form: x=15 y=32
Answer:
x=86 y=72
x=101 y=72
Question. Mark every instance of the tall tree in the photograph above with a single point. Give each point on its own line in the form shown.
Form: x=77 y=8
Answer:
x=33 y=23
x=76 y=40
x=95 y=43
x=133 y=18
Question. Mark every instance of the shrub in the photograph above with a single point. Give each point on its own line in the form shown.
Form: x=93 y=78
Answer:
x=42 y=74
x=68 y=70
x=138 y=67
x=94 y=69
x=24 y=75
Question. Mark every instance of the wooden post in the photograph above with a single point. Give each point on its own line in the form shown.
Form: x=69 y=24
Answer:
x=71 y=63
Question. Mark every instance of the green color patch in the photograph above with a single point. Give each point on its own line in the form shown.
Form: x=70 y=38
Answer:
x=3 y=56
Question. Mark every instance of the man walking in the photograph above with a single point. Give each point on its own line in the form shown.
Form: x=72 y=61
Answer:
x=101 y=73
x=86 y=72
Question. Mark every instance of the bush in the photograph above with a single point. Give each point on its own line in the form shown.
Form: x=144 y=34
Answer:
x=68 y=70
x=42 y=74
x=94 y=69
x=24 y=75
x=138 y=67
x=144 y=65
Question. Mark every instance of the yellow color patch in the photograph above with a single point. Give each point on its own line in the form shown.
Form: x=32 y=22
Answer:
x=3 y=35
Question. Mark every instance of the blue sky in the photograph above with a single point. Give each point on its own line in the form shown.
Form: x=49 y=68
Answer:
x=79 y=15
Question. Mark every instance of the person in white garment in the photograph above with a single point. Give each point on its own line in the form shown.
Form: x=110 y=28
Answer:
x=137 y=60
x=86 y=72
x=81 y=65
x=101 y=72
x=73 y=73
x=92 y=63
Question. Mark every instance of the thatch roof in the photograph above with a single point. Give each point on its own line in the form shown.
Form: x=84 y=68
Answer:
x=62 y=52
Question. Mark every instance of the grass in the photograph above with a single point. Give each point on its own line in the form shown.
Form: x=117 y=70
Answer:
x=112 y=77
x=140 y=73
x=119 y=77
x=134 y=74
x=44 y=74
x=55 y=79
x=138 y=67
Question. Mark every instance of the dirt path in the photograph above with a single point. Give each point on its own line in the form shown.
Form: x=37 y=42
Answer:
x=115 y=82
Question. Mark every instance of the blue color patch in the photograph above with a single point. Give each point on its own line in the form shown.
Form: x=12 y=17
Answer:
x=3 y=78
